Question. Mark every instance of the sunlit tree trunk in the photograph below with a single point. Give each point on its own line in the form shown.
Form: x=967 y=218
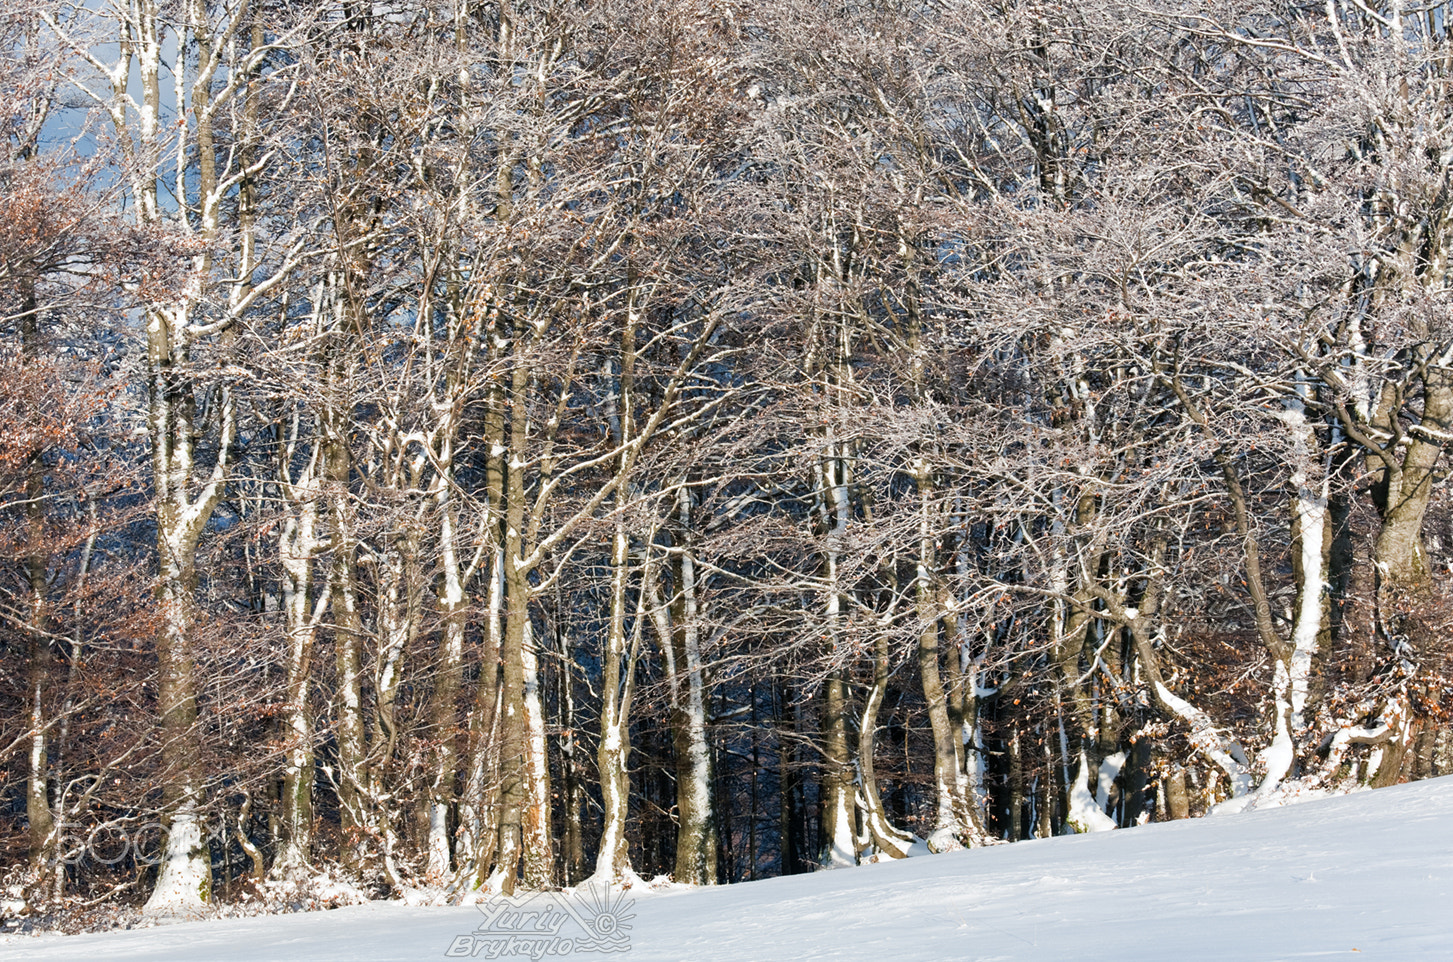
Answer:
x=696 y=836
x=613 y=862
x=887 y=838
x=519 y=827
x=299 y=544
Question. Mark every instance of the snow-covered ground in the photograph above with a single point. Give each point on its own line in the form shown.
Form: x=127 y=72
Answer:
x=1363 y=876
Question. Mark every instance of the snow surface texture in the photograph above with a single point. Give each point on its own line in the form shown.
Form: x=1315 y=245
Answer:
x=1365 y=876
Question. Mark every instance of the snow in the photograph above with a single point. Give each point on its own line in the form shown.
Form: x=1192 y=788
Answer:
x=183 y=871
x=1368 y=875
x=1087 y=813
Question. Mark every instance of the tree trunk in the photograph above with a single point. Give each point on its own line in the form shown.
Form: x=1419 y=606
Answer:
x=887 y=838
x=696 y=839
x=839 y=834
x=184 y=879
x=348 y=653
x=1293 y=665
x=949 y=819
x=448 y=680
x=1404 y=578
x=479 y=811
x=38 y=813
x=297 y=546
x=613 y=863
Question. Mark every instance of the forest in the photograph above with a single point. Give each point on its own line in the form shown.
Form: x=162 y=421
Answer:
x=452 y=447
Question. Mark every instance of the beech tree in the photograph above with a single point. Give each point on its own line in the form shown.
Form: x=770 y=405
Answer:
x=585 y=442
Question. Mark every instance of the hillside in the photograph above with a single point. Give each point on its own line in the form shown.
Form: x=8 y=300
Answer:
x=1366 y=876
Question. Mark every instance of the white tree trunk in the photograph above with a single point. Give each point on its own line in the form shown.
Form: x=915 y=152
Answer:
x=297 y=548
x=1292 y=675
x=612 y=863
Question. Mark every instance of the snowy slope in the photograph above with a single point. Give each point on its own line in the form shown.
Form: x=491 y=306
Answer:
x=1367 y=876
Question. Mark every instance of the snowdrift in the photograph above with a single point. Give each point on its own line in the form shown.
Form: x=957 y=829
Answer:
x=1367 y=876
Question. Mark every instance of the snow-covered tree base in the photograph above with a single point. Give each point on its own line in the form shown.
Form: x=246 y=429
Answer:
x=1086 y=814
x=184 y=878
x=944 y=840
